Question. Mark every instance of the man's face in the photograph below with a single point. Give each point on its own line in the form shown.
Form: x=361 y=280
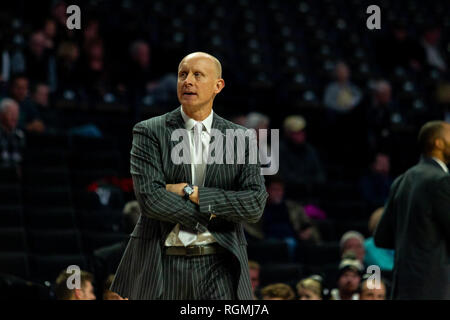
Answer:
x=10 y=117
x=342 y=72
x=198 y=82
x=384 y=94
x=142 y=55
x=373 y=294
x=382 y=164
x=446 y=138
x=41 y=95
x=19 y=90
x=305 y=294
x=86 y=292
x=276 y=192
x=356 y=246
x=297 y=137
x=254 y=278
x=349 y=281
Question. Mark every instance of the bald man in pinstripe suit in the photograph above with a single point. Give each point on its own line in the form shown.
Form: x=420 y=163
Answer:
x=189 y=241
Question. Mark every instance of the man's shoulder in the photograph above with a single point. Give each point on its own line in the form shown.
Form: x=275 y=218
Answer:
x=152 y=124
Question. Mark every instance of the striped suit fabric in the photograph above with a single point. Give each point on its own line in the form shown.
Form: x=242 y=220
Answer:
x=235 y=193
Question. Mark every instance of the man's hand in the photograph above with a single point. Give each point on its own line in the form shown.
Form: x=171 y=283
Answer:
x=176 y=188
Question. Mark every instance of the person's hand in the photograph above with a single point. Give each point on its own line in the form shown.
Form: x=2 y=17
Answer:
x=176 y=188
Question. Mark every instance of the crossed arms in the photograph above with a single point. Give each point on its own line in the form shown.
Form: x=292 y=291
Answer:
x=161 y=201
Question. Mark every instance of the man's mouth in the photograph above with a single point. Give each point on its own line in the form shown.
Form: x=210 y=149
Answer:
x=189 y=94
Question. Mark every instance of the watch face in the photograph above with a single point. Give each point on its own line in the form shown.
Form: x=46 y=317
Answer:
x=188 y=189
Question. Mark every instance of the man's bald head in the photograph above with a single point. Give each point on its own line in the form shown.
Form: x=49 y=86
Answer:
x=429 y=132
x=214 y=60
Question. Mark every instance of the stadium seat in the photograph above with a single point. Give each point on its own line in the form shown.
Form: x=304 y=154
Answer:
x=96 y=240
x=11 y=216
x=289 y=273
x=47 y=177
x=268 y=251
x=10 y=194
x=50 y=218
x=318 y=254
x=9 y=175
x=48 y=267
x=12 y=239
x=58 y=241
x=15 y=263
x=48 y=197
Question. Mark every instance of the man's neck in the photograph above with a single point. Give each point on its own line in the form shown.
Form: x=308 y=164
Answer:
x=198 y=114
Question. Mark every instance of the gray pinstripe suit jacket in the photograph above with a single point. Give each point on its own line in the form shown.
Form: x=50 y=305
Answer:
x=233 y=192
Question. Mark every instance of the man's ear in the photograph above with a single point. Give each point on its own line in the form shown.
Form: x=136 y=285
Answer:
x=220 y=84
x=77 y=294
x=439 y=144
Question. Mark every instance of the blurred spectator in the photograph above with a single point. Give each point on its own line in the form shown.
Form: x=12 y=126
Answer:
x=259 y=121
x=86 y=292
x=310 y=288
x=283 y=219
x=381 y=113
x=398 y=49
x=342 y=95
x=376 y=183
x=40 y=63
x=108 y=294
x=12 y=139
x=353 y=241
x=299 y=162
x=255 y=269
x=95 y=75
x=49 y=31
x=384 y=258
x=432 y=51
x=277 y=291
x=68 y=67
x=141 y=77
x=369 y=291
x=349 y=277
x=29 y=117
x=106 y=259
x=240 y=119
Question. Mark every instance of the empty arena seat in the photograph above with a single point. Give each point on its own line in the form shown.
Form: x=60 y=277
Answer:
x=268 y=251
x=12 y=239
x=47 y=177
x=55 y=241
x=10 y=194
x=50 y=218
x=48 y=267
x=289 y=273
x=11 y=216
x=96 y=240
x=48 y=197
x=318 y=254
x=15 y=263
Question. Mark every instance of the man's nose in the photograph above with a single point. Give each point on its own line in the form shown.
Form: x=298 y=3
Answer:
x=189 y=78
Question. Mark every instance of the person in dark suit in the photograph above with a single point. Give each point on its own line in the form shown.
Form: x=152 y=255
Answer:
x=189 y=241
x=416 y=221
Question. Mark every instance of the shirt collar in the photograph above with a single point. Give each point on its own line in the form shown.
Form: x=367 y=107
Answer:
x=442 y=164
x=189 y=122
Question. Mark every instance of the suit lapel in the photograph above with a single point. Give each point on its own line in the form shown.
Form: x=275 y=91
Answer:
x=182 y=172
x=212 y=169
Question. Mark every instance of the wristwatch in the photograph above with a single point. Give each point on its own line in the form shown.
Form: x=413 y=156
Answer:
x=188 y=190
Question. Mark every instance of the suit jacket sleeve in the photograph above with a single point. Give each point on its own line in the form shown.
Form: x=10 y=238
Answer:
x=441 y=205
x=150 y=185
x=384 y=236
x=244 y=205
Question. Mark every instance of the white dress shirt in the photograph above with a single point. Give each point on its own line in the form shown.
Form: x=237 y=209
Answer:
x=443 y=166
x=198 y=179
